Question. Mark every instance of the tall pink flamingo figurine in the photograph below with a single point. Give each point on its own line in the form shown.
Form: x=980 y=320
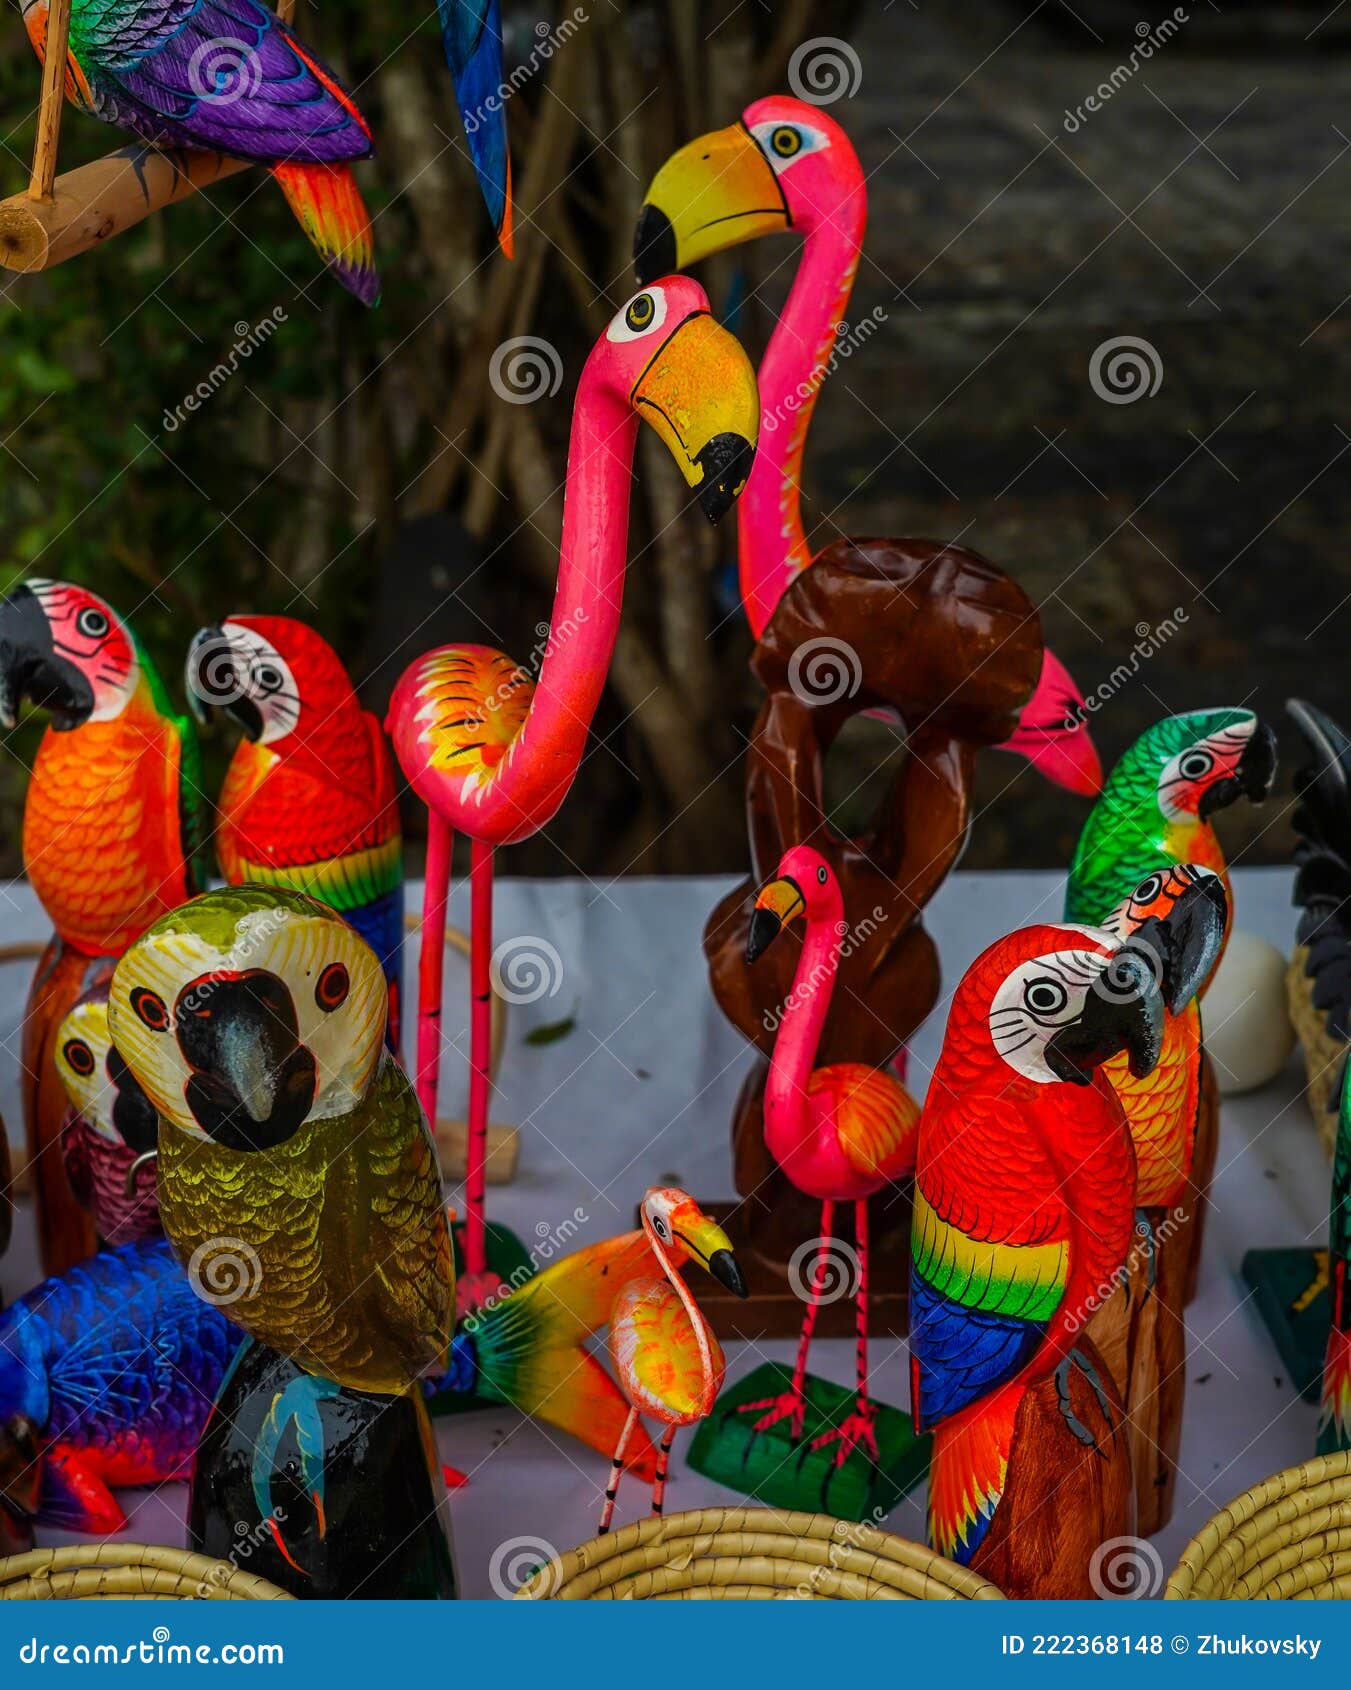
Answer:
x=493 y=753
x=840 y=1133
x=787 y=166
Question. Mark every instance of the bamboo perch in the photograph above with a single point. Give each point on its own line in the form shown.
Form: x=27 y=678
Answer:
x=53 y=93
x=59 y=217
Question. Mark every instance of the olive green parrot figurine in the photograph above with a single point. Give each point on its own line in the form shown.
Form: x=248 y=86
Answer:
x=298 y=1182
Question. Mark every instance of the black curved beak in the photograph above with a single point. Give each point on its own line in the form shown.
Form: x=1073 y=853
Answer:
x=764 y=930
x=31 y=669
x=1123 y=1011
x=654 y=245
x=133 y=1113
x=1188 y=940
x=726 y=462
x=215 y=682
x=1252 y=778
x=722 y=1264
x=253 y=1082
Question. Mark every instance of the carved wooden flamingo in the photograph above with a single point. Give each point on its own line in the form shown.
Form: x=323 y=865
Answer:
x=493 y=752
x=668 y=1362
x=788 y=166
x=840 y=1133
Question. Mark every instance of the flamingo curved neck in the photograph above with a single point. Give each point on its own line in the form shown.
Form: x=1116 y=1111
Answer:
x=787 y=1111
x=771 y=541
x=692 y=1309
x=584 y=621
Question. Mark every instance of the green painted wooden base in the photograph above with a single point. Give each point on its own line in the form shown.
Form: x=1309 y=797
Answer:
x=769 y=1467
x=1290 y=1289
x=509 y=1259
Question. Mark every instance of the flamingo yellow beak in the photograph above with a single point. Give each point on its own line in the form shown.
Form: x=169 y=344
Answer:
x=698 y=392
x=714 y=193
x=710 y=1246
x=777 y=904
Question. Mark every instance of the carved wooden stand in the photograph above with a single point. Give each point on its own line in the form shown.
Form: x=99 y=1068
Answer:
x=1063 y=1499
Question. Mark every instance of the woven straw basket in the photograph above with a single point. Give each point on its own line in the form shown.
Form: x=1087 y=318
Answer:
x=1287 y=1538
x=753 y=1554
x=127 y=1571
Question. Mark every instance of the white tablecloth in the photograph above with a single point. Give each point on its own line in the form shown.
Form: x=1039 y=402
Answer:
x=640 y=1091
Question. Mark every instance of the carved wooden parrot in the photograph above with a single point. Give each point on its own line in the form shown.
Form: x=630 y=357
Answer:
x=111 y=831
x=295 y=1166
x=228 y=76
x=309 y=799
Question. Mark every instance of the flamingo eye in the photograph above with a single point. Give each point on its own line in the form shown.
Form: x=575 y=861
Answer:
x=334 y=985
x=644 y=313
x=79 y=1057
x=92 y=622
x=659 y=1226
x=786 y=141
x=821 y=875
x=148 y=1007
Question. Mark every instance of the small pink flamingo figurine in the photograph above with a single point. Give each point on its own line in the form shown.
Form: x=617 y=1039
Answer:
x=840 y=1133
x=789 y=168
x=668 y=1362
x=491 y=751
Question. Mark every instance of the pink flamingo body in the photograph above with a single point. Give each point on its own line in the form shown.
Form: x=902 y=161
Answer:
x=788 y=166
x=490 y=751
x=665 y=1356
x=840 y=1133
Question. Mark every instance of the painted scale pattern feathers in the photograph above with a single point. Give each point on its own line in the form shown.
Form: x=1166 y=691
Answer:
x=111 y=828
x=875 y=1117
x=1024 y=1206
x=471 y=32
x=228 y=76
x=1161 y=1110
x=97 y=1170
x=327 y=824
x=117 y=1363
x=353 y=1247
x=472 y=705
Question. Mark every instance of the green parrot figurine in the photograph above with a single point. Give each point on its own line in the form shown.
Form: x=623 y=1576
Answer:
x=298 y=1182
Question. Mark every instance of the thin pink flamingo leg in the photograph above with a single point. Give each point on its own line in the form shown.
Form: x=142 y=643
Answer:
x=616 y=1468
x=792 y=1403
x=663 y=1468
x=859 y=1427
x=480 y=1048
x=431 y=964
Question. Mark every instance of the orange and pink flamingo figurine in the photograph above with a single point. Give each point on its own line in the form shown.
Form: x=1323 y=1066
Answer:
x=840 y=1133
x=668 y=1363
x=788 y=167
x=492 y=751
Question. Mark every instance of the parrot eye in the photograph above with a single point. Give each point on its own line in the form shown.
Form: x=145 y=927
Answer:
x=1148 y=890
x=659 y=1227
x=268 y=678
x=1045 y=996
x=1195 y=764
x=148 y=1007
x=79 y=1057
x=334 y=985
x=92 y=622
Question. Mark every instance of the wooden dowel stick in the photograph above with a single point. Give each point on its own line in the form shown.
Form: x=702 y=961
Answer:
x=53 y=97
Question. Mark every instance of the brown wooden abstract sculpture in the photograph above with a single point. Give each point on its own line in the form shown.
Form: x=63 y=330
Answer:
x=946 y=641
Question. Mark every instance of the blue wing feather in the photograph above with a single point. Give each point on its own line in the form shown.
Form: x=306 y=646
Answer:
x=960 y=1355
x=471 y=31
